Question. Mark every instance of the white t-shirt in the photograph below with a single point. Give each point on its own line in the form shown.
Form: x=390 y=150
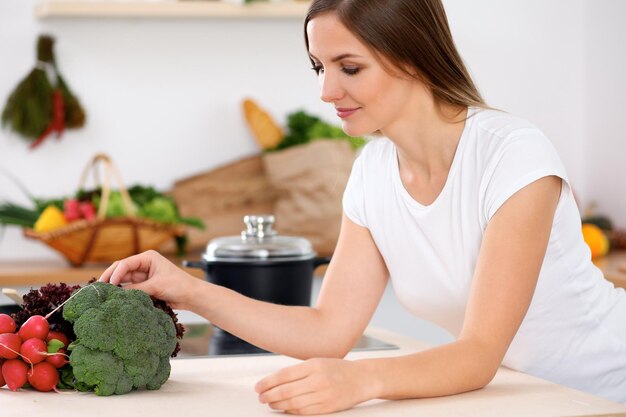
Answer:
x=575 y=330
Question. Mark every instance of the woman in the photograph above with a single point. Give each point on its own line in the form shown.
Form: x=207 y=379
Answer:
x=467 y=210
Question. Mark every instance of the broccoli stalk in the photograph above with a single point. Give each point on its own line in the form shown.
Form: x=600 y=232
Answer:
x=122 y=341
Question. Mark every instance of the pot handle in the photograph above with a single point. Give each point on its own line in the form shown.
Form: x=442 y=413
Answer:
x=323 y=260
x=194 y=264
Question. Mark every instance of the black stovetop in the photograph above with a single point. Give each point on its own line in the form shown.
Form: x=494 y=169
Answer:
x=208 y=341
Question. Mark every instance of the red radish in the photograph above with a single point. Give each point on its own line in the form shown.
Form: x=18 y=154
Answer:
x=2 y=382
x=61 y=337
x=34 y=351
x=14 y=373
x=70 y=210
x=43 y=377
x=10 y=344
x=7 y=324
x=87 y=210
x=34 y=327
x=58 y=360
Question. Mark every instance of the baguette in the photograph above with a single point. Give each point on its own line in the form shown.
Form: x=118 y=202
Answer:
x=266 y=131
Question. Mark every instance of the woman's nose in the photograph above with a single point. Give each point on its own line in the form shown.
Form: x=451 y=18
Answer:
x=330 y=90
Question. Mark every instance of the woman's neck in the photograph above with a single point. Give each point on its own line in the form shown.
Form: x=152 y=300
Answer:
x=426 y=136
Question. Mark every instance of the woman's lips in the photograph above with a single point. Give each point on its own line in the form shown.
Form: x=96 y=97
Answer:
x=345 y=112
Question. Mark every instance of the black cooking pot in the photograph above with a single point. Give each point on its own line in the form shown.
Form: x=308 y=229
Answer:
x=9 y=308
x=259 y=264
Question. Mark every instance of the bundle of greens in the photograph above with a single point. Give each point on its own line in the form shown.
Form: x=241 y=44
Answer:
x=42 y=103
x=304 y=128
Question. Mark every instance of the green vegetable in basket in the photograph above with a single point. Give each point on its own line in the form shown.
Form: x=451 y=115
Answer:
x=14 y=215
x=161 y=209
x=116 y=206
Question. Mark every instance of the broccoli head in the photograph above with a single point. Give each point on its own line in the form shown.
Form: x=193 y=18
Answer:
x=122 y=341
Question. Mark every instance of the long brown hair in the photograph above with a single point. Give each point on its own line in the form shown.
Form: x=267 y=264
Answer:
x=410 y=34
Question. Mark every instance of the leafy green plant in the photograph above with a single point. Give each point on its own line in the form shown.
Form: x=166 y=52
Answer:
x=304 y=128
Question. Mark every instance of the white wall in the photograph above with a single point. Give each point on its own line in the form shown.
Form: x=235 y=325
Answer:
x=605 y=111
x=163 y=95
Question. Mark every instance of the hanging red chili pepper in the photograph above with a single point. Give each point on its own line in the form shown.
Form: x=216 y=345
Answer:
x=42 y=103
x=57 y=124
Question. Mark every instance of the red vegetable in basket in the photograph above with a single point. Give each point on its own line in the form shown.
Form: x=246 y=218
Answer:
x=14 y=373
x=87 y=210
x=43 y=377
x=7 y=324
x=71 y=211
x=35 y=327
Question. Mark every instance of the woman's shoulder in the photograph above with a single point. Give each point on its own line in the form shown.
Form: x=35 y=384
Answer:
x=496 y=131
x=500 y=125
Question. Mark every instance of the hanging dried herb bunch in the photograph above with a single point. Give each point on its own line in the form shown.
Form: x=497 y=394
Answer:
x=42 y=103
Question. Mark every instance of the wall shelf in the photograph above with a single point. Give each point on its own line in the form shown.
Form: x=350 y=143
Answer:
x=164 y=9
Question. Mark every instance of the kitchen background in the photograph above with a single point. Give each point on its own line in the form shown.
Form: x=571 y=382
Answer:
x=163 y=95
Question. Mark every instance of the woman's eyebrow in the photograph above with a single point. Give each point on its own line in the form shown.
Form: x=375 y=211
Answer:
x=337 y=58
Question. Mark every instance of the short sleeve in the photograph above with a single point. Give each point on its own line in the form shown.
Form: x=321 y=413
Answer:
x=353 y=196
x=519 y=162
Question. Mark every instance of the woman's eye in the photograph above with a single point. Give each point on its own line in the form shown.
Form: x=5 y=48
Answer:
x=317 y=69
x=350 y=70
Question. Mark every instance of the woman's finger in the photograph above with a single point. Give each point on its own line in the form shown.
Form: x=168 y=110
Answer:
x=296 y=404
x=137 y=276
x=285 y=391
x=124 y=269
x=313 y=409
x=106 y=275
x=283 y=376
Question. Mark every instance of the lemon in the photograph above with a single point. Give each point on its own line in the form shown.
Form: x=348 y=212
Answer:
x=596 y=240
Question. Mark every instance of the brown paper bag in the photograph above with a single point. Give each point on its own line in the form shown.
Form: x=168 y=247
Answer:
x=310 y=180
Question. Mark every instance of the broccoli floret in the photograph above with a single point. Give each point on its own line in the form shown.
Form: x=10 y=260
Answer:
x=141 y=368
x=98 y=369
x=165 y=321
x=122 y=341
x=161 y=375
x=94 y=330
x=91 y=296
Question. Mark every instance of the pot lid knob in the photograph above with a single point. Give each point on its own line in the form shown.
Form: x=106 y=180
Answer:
x=258 y=226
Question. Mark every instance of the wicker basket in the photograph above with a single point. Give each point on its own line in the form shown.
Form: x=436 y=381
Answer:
x=106 y=240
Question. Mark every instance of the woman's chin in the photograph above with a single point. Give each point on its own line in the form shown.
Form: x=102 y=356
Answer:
x=354 y=131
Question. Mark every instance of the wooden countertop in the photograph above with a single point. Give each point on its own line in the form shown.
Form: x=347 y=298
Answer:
x=223 y=386
x=27 y=273
x=37 y=273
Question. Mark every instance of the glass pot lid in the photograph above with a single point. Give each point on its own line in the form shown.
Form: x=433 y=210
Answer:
x=258 y=242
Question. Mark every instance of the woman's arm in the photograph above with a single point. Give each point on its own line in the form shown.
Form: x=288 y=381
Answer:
x=352 y=287
x=504 y=281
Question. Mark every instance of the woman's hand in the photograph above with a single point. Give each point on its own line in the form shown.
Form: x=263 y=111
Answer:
x=317 y=386
x=151 y=272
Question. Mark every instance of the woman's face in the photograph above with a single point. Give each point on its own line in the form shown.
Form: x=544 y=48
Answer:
x=366 y=96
